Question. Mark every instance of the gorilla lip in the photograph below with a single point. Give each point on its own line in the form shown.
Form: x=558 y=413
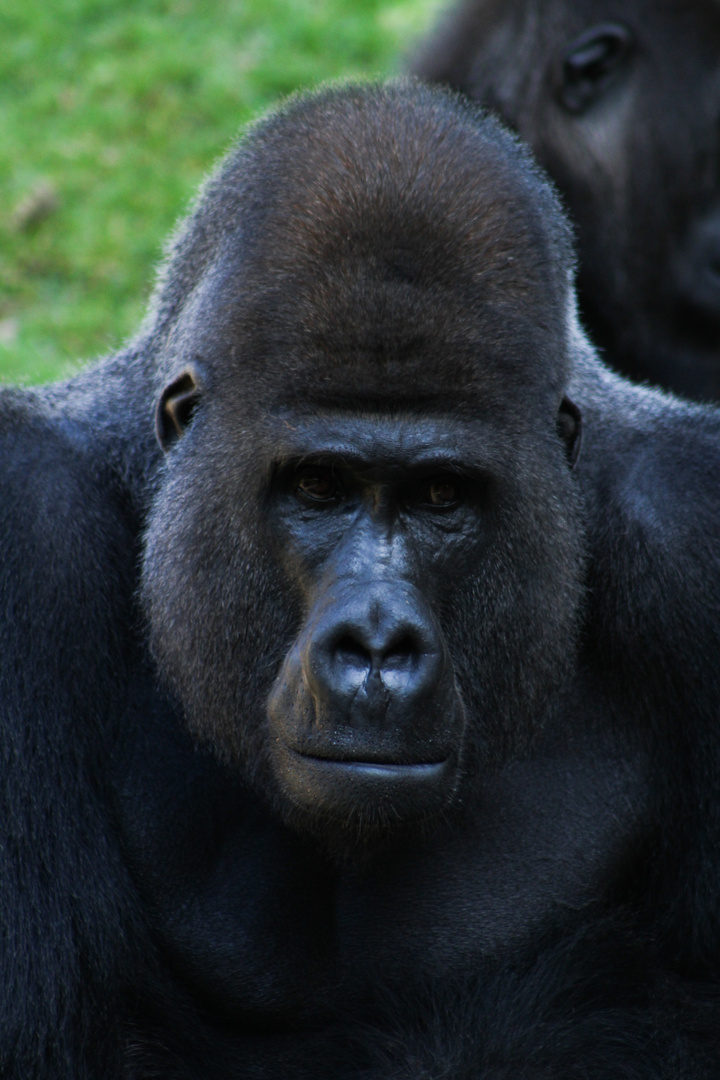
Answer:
x=368 y=767
x=348 y=786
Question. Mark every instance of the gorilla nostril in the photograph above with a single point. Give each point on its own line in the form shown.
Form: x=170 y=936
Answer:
x=398 y=652
x=401 y=653
x=352 y=653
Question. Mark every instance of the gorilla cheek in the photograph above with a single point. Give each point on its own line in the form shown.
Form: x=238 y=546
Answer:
x=216 y=617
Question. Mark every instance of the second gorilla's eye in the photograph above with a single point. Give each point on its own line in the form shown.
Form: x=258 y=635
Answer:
x=317 y=485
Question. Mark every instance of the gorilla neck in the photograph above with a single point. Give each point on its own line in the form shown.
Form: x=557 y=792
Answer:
x=230 y=885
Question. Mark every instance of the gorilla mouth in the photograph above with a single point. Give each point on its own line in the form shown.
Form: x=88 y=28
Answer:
x=348 y=796
x=369 y=767
x=373 y=771
x=370 y=757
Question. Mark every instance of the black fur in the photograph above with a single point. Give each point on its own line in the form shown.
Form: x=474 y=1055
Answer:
x=344 y=439
x=619 y=102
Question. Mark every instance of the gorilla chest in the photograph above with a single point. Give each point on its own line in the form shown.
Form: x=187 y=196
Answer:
x=257 y=924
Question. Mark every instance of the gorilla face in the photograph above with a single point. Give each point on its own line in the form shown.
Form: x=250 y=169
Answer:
x=633 y=140
x=362 y=569
x=380 y=621
x=621 y=104
x=365 y=713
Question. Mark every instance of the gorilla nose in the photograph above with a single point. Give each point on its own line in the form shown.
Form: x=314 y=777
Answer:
x=390 y=656
x=375 y=651
x=369 y=682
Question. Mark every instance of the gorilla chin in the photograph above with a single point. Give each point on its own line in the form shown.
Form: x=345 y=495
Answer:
x=364 y=798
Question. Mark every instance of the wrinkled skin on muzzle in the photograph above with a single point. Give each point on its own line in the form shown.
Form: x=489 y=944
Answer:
x=365 y=714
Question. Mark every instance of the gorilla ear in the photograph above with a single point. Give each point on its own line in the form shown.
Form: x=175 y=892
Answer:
x=591 y=62
x=569 y=425
x=176 y=406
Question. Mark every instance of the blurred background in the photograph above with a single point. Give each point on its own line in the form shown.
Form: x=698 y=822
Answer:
x=111 y=112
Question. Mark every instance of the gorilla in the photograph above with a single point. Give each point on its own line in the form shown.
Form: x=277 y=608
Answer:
x=359 y=723
x=620 y=102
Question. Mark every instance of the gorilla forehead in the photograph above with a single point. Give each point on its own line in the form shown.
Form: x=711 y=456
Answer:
x=373 y=442
x=398 y=176
x=372 y=235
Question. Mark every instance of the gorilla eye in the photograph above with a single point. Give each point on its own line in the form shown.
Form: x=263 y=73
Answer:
x=591 y=62
x=442 y=491
x=317 y=485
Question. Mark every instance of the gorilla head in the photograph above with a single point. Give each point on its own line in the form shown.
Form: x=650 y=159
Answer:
x=363 y=561
x=621 y=103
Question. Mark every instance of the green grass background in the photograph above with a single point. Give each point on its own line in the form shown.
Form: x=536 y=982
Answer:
x=111 y=112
